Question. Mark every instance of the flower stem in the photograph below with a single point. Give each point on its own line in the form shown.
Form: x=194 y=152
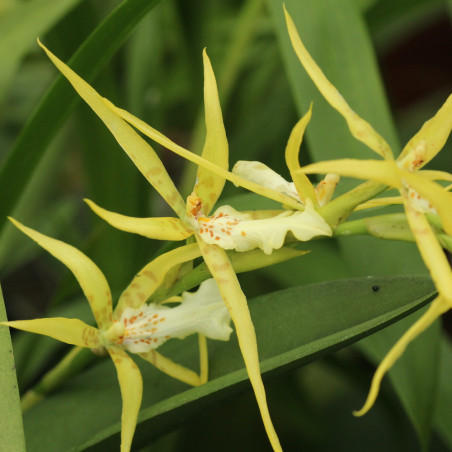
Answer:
x=71 y=364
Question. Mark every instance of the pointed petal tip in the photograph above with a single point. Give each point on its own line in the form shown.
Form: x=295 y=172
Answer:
x=360 y=413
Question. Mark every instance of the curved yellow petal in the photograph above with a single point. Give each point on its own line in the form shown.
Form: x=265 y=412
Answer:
x=435 y=175
x=149 y=278
x=439 y=197
x=431 y=251
x=70 y=331
x=131 y=385
x=198 y=160
x=166 y=228
x=384 y=172
x=302 y=183
x=91 y=279
x=209 y=185
x=171 y=368
x=380 y=202
x=437 y=307
x=430 y=139
x=221 y=269
x=359 y=128
x=142 y=155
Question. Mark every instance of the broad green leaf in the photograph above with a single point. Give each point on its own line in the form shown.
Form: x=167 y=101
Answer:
x=289 y=335
x=19 y=29
x=11 y=428
x=50 y=114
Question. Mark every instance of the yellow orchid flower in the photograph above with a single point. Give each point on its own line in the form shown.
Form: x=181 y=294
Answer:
x=134 y=326
x=206 y=192
x=419 y=192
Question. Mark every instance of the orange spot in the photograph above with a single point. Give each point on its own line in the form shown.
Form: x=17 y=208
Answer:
x=243 y=233
x=217 y=238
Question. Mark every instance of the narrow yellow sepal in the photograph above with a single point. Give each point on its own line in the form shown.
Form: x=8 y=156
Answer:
x=385 y=172
x=212 y=167
x=91 y=279
x=165 y=228
x=131 y=385
x=430 y=139
x=359 y=128
x=431 y=251
x=70 y=331
x=302 y=183
x=435 y=175
x=235 y=300
x=209 y=185
x=440 y=198
x=436 y=309
x=142 y=155
x=171 y=368
x=149 y=278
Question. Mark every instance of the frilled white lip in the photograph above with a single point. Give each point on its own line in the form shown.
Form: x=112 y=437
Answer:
x=151 y=325
x=233 y=230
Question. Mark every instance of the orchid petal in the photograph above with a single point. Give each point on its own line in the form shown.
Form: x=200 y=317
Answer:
x=437 y=307
x=131 y=385
x=436 y=175
x=326 y=187
x=359 y=128
x=70 y=331
x=221 y=269
x=151 y=325
x=198 y=160
x=91 y=279
x=171 y=368
x=380 y=202
x=141 y=153
x=230 y=229
x=151 y=276
x=440 y=198
x=167 y=228
x=431 y=251
x=302 y=183
x=208 y=185
x=430 y=139
x=377 y=170
x=261 y=174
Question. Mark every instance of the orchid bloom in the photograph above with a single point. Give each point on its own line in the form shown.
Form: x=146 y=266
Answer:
x=419 y=192
x=206 y=192
x=134 y=326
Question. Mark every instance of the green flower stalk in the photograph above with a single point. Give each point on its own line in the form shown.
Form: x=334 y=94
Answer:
x=134 y=326
x=419 y=192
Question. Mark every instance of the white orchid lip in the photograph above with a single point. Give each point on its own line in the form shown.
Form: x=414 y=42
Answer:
x=233 y=230
x=150 y=326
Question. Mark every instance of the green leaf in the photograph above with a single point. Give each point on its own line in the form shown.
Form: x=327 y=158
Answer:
x=19 y=30
x=415 y=375
x=59 y=101
x=293 y=327
x=11 y=428
x=443 y=420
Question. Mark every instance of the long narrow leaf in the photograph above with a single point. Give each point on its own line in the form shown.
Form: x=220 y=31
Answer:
x=48 y=117
x=289 y=333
